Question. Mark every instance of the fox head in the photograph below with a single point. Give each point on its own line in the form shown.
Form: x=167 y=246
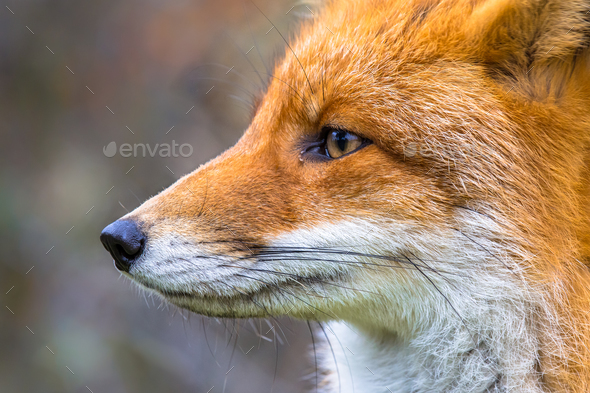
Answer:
x=418 y=168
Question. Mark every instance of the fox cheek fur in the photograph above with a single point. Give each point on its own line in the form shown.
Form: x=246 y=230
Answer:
x=417 y=176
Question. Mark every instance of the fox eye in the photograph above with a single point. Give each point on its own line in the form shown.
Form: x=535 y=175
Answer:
x=341 y=142
x=332 y=143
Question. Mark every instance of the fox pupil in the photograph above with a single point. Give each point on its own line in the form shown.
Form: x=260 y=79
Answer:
x=341 y=140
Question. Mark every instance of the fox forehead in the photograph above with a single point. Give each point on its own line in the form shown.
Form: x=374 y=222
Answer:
x=364 y=66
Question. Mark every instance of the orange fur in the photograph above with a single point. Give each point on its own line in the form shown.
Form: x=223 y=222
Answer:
x=498 y=91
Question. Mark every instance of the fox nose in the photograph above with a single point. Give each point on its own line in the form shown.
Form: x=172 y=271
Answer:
x=125 y=241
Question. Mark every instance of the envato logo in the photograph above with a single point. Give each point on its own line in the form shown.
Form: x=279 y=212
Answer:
x=412 y=148
x=145 y=149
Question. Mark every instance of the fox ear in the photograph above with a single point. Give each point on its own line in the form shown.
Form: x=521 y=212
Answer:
x=527 y=40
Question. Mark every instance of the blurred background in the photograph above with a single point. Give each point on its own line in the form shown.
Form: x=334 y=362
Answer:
x=75 y=77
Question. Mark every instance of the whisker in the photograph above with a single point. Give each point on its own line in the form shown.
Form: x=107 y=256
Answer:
x=288 y=46
x=248 y=297
x=207 y=341
x=315 y=355
x=447 y=301
x=284 y=335
x=254 y=40
x=323 y=81
x=277 y=251
x=206 y=192
x=345 y=357
x=230 y=331
x=290 y=293
x=298 y=95
x=227 y=69
x=433 y=270
x=248 y=60
x=333 y=356
x=227 y=83
x=267 y=283
x=489 y=252
x=274 y=378
x=402 y=263
x=256 y=331
x=232 y=353
x=256 y=303
x=303 y=278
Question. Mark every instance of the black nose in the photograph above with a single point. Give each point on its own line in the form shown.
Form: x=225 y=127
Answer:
x=124 y=240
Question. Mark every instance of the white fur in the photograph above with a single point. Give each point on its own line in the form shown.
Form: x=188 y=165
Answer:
x=463 y=320
x=177 y=264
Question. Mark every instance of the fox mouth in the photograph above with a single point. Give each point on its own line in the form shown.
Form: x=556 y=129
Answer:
x=305 y=283
x=250 y=302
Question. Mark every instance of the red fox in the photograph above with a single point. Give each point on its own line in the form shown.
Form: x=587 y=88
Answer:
x=417 y=175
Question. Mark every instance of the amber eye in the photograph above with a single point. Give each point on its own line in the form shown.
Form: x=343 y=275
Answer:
x=340 y=142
